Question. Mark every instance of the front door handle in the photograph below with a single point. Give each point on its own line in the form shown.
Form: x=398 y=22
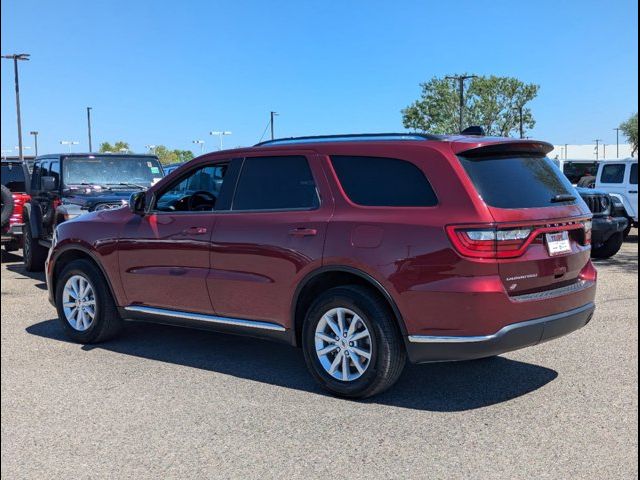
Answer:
x=633 y=191
x=303 y=232
x=195 y=231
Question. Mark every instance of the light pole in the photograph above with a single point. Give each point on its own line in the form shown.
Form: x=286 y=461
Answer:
x=460 y=79
x=35 y=139
x=89 y=127
x=566 y=151
x=617 y=142
x=15 y=57
x=597 y=140
x=220 y=134
x=273 y=114
x=69 y=143
x=201 y=143
x=604 y=151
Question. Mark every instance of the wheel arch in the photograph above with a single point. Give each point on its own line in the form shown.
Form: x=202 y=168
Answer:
x=331 y=276
x=77 y=252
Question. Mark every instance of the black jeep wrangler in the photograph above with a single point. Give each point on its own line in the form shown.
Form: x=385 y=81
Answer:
x=607 y=234
x=64 y=186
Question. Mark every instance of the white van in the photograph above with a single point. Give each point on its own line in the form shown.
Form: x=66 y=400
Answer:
x=619 y=178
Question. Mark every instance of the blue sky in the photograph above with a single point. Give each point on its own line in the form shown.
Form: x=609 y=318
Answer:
x=168 y=72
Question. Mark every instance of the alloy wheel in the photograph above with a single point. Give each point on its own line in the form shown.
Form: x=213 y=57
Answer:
x=343 y=344
x=79 y=302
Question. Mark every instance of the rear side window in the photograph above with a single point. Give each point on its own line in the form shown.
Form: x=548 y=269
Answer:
x=383 y=182
x=633 y=180
x=613 y=173
x=517 y=182
x=276 y=183
x=13 y=176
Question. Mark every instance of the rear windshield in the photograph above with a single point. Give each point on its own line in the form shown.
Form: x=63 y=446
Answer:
x=13 y=177
x=575 y=171
x=518 y=182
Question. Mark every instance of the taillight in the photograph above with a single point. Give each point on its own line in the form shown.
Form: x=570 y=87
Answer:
x=491 y=242
x=496 y=241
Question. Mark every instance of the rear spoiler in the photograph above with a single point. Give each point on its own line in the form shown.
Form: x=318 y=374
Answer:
x=510 y=147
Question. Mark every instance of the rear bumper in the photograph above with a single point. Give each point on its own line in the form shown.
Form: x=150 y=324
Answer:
x=605 y=227
x=13 y=232
x=425 y=349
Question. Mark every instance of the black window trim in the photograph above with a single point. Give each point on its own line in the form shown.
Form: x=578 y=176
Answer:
x=275 y=210
x=353 y=204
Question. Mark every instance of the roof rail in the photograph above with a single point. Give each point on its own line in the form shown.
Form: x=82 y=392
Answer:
x=351 y=137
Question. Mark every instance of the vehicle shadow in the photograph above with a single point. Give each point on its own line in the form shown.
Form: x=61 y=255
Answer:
x=444 y=387
x=622 y=262
x=19 y=269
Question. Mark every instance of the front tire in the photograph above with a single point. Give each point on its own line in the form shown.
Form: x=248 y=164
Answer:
x=610 y=247
x=33 y=254
x=85 y=307
x=351 y=343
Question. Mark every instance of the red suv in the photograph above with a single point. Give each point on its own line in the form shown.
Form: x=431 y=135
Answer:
x=362 y=249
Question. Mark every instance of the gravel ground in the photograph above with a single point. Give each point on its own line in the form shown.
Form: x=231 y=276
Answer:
x=164 y=402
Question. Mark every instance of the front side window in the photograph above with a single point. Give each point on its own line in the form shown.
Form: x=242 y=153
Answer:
x=276 y=183
x=383 y=182
x=199 y=191
x=613 y=173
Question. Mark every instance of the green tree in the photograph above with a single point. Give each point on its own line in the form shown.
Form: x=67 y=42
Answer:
x=116 y=147
x=491 y=102
x=630 y=130
x=184 y=155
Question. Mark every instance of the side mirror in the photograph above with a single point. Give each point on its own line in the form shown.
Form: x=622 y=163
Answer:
x=48 y=184
x=137 y=202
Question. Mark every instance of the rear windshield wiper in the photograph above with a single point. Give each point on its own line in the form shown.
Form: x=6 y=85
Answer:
x=563 y=198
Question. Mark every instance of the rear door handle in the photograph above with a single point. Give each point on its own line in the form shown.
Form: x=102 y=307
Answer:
x=303 y=232
x=195 y=231
x=633 y=191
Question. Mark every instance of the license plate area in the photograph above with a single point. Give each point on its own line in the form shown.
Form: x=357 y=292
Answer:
x=558 y=243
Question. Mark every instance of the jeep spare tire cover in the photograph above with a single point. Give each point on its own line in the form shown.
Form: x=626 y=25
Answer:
x=7 y=205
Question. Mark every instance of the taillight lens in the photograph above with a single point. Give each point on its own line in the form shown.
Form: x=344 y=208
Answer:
x=489 y=242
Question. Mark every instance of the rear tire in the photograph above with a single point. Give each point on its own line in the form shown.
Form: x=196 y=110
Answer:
x=610 y=247
x=34 y=255
x=376 y=335
x=105 y=322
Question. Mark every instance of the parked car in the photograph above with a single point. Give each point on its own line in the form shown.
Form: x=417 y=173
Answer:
x=64 y=186
x=579 y=172
x=174 y=166
x=607 y=235
x=619 y=178
x=364 y=250
x=15 y=175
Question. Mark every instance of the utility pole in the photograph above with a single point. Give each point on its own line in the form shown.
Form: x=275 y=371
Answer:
x=617 y=142
x=597 y=140
x=89 y=127
x=273 y=114
x=15 y=57
x=604 y=151
x=460 y=79
x=520 y=107
x=35 y=139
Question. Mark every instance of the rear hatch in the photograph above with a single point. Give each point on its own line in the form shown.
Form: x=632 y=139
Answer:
x=541 y=234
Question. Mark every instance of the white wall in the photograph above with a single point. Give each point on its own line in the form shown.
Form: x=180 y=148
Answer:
x=588 y=152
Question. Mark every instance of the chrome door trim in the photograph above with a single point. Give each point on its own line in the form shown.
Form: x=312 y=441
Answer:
x=236 y=322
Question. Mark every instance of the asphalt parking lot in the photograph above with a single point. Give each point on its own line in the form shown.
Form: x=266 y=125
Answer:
x=165 y=402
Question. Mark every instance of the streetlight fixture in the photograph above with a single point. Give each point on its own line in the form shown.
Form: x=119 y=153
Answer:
x=461 y=79
x=35 y=139
x=5 y=152
x=220 y=134
x=151 y=148
x=201 y=143
x=69 y=143
x=16 y=57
